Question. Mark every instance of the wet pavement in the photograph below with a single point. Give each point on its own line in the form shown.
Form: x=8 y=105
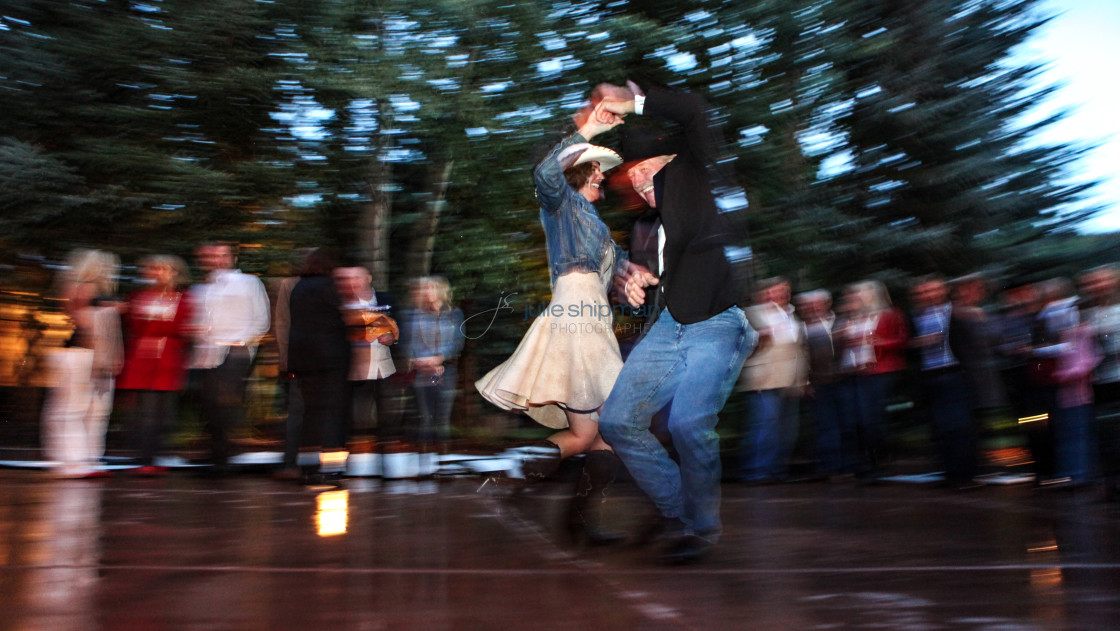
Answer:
x=248 y=552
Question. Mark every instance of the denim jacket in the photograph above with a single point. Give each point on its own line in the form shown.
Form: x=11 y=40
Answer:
x=427 y=334
x=575 y=235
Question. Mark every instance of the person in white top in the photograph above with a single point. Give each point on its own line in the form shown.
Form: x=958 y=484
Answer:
x=83 y=371
x=232 y=315
x=774 y=377
x=371 y=332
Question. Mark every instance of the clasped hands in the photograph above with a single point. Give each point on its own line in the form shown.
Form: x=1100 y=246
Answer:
x=428 y=366
x=609 y=106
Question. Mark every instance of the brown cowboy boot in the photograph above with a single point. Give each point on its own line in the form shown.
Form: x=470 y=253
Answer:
x=585 y=512
x=541 y=460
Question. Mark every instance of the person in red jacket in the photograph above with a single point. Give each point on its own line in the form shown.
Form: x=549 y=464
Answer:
x=157 y=326
x=875 y=339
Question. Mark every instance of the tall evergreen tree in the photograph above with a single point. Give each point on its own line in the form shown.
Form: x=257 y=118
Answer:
x=873 y=137
x=148 y=117
x=942 y=173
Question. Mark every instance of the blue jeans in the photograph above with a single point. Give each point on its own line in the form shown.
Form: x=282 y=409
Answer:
x=952 y=424
x=772 y=428
x=695 y=367
x=834 y=432
x=1073 y=443
x=434 y=400
x=872 y=392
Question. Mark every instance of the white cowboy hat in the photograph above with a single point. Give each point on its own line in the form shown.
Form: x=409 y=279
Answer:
x=607 y=158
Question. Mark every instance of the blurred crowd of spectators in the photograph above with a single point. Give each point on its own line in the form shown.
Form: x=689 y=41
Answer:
x=339 y=378
x=1044 y=356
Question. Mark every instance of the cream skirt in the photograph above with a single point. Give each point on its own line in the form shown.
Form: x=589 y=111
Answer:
x=569 y=358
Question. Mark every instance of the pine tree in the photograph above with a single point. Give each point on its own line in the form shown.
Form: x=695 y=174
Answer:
x=941 y=172
x=149 y=118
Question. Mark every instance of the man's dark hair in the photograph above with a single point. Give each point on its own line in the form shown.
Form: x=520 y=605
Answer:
x=234 y=246
x=318 y=262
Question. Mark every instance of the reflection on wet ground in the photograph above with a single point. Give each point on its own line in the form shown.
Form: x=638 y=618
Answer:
x=250 y=553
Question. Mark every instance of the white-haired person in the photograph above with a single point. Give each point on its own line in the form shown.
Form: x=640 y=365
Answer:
x=433 y=339
x=76 y=413
x=158 y=323
x=876 y=337
x=567 y=362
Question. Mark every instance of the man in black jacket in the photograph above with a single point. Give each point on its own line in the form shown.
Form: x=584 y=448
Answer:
x=319 y=357
x=693 y=353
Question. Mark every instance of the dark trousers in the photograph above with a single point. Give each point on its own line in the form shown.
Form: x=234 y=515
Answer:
x=1107 y=398
x=1075 y=446
x=872 y=392
x=954 y=431
x=293 y=421
x=376 y=409
x=325 y=407
x=1040 y=431
x=1034 y=406
x=835 y=435
x=434 y=399
x=223 y=400
x=155 y=414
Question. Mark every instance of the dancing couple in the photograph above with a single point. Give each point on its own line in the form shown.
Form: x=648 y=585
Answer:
x=573 y=379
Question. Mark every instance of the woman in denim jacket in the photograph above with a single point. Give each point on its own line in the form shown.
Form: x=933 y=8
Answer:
x=566 y=364
x=433 y=341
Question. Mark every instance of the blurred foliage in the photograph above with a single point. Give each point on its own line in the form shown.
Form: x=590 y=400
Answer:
x=874 y=138
x=149 y=123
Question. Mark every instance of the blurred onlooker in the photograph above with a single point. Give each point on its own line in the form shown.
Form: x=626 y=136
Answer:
x=981 y=336
x=76 y=412
x=849 y=357
x=773 y=377
x=1074 y=443
x=1102 y=285
x=833 y=430
x=371 y=332
x=1018 y=309
x=232 y=315
x=319 y=357
x=433 y=341
x=875 y=338
x=938 y=339
x=293 y=401
x=158 y=329
x=1058 y=313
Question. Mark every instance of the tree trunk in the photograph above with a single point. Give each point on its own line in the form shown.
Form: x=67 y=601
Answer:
x=423 y=242
x=375 y=230
x=375 y=223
